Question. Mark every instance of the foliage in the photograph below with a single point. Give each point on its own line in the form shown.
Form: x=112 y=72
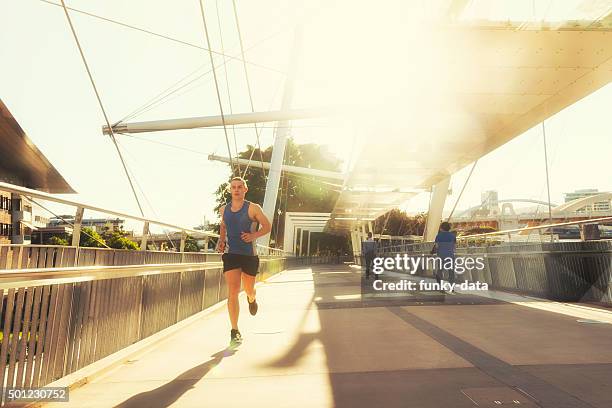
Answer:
x=191 y=245
x=91 y=238
x=54 y=240
x=478 y=230
x=297 y=192
x=397 y=223
x=118 y=240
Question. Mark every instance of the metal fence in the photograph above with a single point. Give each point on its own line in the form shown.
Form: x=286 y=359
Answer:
x=15 y=256
x=561 y=271
x=320 y=260
x=56 y=318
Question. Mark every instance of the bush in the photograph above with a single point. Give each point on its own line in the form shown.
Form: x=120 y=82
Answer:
x=90 y=238
x=57 y=241
x=117 y=240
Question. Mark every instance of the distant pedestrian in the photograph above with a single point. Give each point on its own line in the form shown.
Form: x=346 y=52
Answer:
x=444 y=246
x=368 y=251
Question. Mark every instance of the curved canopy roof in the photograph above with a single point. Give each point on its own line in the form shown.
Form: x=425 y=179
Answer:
x=22 y=163
x=462 y=101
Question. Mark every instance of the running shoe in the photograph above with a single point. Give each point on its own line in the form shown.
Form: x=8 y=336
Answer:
x=235 y=337
x=253 y=307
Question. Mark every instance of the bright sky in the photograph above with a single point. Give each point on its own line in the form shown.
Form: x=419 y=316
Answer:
x=45 y=86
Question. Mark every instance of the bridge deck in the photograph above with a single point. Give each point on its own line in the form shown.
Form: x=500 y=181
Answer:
x=314 y=343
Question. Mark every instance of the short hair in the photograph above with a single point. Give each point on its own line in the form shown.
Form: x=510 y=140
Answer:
x=369 y=235
x=237 y=178
x=445 y=226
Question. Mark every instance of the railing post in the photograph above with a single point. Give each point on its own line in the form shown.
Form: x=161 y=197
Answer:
x=182 y=247
x=76 y=229
x=145 y=236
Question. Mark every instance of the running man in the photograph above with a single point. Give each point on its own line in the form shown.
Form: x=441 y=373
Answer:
x=240 y=221
x=444 y=246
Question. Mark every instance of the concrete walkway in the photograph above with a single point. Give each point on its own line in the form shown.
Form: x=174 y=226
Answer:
x=317 y=343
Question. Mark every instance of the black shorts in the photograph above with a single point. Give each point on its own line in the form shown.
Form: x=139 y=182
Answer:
x=248 y=263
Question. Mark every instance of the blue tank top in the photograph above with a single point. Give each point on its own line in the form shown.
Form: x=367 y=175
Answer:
x=235 y=224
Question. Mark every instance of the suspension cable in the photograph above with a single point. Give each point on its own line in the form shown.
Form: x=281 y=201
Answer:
x=273 y=135
x=216 y=86
x=462 y=190
x=132 y=27
x=227 y=85
x=145 y=197
x=93 y=84
x=159 y=98
x=547 y=179
x=67 y=222
x=246 y=74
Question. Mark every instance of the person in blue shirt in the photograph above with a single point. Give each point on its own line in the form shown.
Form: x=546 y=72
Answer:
x=444 y=247
x=368 y=251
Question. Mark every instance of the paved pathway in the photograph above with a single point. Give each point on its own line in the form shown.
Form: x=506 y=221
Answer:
x=317 y=343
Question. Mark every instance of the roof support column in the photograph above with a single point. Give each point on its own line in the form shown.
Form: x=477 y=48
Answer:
x=278 y=151
x=145 y=236
x=434 y=216
x=76 y=228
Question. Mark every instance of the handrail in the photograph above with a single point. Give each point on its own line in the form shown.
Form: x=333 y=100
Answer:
x=506 y=232
x=46 y=196
x=47 y=276
x=538 y=227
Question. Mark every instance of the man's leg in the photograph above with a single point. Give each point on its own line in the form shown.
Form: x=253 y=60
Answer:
x=232 y=278
x=248 y=282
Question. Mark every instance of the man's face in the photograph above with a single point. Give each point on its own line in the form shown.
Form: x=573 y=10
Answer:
x=238 y=189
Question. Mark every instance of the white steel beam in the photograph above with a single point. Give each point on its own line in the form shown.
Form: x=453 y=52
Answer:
x=210 y=121
x=290 y=169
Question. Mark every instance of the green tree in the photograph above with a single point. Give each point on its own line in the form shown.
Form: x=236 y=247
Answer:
x=397 y=223
x=297 y=192
x=91 y=238
x=191 y=245
x=54 y=240
x=118 y=240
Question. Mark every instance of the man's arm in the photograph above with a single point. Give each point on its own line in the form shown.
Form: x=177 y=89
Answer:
x=222 y=232
x=261 y=218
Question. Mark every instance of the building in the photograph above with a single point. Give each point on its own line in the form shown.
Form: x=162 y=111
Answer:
x=6 y=227
x=22 y=164
x=490 y=202
x=61 y=227
x=97 y=224
x=599 y=206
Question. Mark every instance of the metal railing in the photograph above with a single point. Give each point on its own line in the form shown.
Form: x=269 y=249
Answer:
x=17 y=256
x=80 y=207
x=57 y=320
x=537 y=228
x=488 y=238
x=562 y=271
